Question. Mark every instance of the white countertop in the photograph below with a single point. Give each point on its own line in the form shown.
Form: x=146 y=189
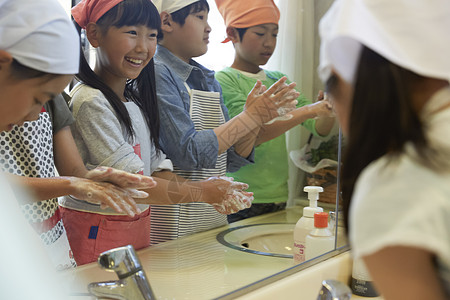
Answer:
x=196 y=266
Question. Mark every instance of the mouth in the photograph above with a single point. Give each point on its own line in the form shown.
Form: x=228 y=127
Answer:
x=266 y=54
x=134 y=61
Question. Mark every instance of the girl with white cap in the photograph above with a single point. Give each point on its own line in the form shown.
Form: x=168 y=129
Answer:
x=33 y=148
x=38 y=57
x=387 y=71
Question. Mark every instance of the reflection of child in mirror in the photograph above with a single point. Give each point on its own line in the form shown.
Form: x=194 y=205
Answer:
x=252 y=27
x=117 y=125
x=196 y=132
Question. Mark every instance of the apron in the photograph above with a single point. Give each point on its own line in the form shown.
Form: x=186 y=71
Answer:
x=169 y=222
x=28 y=151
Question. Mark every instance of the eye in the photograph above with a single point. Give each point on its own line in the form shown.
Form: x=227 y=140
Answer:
x=201 y=17
x=259 y=34
x=133 y=32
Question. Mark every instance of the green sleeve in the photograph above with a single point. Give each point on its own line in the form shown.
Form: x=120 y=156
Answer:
x=233 y=95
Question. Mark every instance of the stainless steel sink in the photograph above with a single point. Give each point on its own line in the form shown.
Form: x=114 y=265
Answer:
x=271 y=239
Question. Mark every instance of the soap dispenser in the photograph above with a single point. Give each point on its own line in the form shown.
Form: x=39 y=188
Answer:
x=320 y=240
x=306 y=223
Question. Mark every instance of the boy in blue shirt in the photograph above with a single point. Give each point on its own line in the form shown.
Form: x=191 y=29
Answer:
x=196 y=132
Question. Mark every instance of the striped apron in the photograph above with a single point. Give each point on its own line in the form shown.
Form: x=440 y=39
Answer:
x=169 y=222
x=27 y=150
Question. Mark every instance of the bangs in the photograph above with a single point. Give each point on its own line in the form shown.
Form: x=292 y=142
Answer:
x=199 y=6
x=132 y=13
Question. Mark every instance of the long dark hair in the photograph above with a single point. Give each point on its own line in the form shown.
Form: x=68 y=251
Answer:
x=141 y=90
x=382 y=119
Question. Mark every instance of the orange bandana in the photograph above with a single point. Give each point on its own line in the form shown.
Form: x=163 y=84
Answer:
x=88 y=11
x=248 y=13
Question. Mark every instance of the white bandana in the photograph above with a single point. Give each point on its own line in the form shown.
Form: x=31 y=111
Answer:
x=414 y=34
x=171 y=6
x=39 y=35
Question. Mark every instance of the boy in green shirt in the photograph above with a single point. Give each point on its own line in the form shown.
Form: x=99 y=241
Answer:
x=252 y=26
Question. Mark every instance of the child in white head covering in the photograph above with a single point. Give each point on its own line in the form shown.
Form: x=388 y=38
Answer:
x=387 y=71
x=36 y=39
x=28 y=80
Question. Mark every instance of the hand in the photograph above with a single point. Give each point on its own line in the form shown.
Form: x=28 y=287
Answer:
x=264 y=104
x=322 y=108
x=120 y=178
x=227 y=196
x=107 y=195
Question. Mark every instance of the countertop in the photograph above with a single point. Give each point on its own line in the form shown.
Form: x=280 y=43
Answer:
x=196 y=266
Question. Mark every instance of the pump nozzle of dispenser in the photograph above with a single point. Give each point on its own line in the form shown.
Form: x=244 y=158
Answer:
x=313 y=196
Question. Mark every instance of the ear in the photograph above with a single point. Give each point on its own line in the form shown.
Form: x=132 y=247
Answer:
x=166 y=22
x=5 y=59
x=232 y=35
x=93 y=34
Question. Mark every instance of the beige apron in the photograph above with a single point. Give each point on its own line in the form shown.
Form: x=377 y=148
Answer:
x=169 y=222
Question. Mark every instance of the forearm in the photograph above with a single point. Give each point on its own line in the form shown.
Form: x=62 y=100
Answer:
x=45 y=188
x=324 y=125
x=246 y=144
x=235 y=129
x=172 y=189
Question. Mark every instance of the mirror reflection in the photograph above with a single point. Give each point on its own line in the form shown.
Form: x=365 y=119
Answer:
x=222 y=107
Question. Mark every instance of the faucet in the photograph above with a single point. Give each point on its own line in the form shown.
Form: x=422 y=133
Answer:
x=334 y=290
x=132 y=283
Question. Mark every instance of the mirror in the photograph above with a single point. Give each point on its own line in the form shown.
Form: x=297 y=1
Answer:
x=297 y=55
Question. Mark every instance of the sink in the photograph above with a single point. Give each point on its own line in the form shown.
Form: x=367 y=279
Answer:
x=271 y=239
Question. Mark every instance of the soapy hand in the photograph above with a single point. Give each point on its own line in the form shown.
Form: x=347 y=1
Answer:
x=107 y=195
x=290 y=102
x=230 y=196
x=121 y=178
x=266 y=104
x=323 y=107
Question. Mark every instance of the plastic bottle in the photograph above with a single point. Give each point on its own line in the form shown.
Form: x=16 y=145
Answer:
x=361 y=282
x=306 y=223
x=320 y=240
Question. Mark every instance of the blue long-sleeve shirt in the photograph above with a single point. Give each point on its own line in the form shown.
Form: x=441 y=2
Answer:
x=187 y=148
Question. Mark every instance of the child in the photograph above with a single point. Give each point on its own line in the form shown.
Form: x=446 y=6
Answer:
x=252 y=26
x=25 y=77
x=386 y=69
x=116 y=124
x=196 y=132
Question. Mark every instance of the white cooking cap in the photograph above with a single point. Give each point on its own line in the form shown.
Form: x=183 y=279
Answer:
x=40 y=35
x=171 y=6
x=414 y=34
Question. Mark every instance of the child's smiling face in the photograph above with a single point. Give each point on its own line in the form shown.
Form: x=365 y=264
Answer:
x=257 y=44
x=124 y=51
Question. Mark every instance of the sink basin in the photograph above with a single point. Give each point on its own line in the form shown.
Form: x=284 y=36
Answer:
x=271 y=239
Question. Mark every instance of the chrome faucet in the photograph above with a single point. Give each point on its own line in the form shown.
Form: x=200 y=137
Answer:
x=334 y=290
x=132 y=283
